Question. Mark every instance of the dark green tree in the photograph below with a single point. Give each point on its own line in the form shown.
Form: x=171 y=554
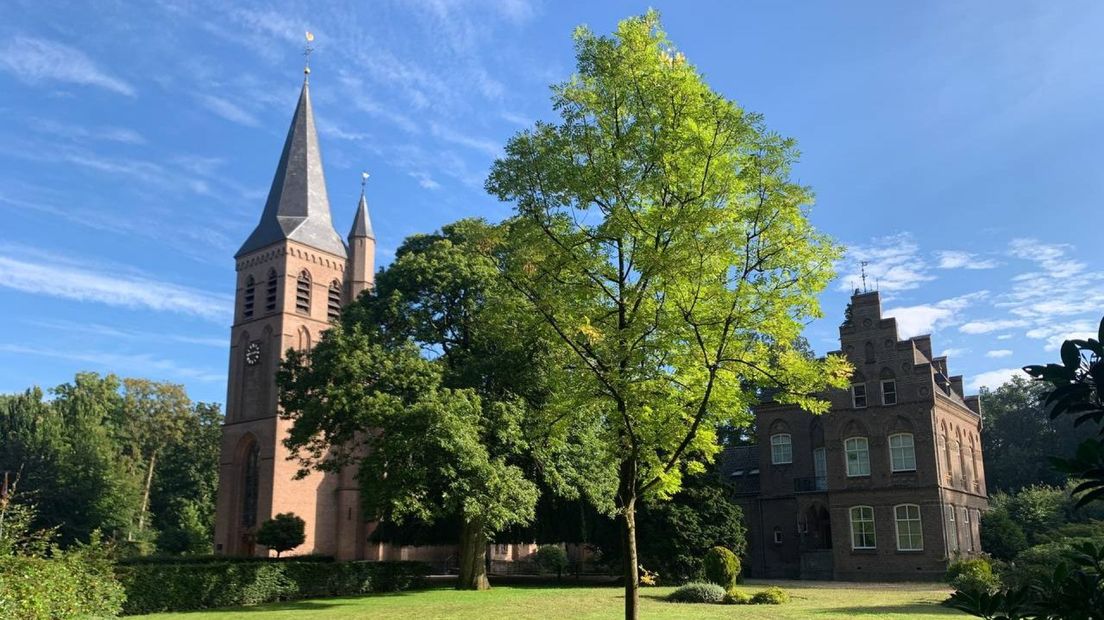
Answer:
x=283 y=532
x=182 y=501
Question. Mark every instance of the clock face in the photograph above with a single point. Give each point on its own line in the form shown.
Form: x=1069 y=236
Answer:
x=253 y=353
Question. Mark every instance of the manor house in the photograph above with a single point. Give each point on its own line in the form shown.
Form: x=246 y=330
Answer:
x=888 y=485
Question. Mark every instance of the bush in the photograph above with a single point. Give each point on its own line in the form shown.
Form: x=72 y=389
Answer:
x=183 y=586
x=283 y=532
x=771 y=596
x=698 y=592
x=551 y=558
x=721 y=567
x=70 y=585
x=736 y=597
x=1001 y=536
x=974 y=575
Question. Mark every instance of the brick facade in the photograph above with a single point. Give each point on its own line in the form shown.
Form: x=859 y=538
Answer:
x=842 y=467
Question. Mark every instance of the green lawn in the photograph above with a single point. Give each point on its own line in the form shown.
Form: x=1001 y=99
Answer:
x=810 y=600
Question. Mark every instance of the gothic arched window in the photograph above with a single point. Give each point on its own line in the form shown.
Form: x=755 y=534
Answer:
x=303 y=292
x=270 y=291
x=333 y=302
x=248 y=297
x=868 y=351
x=251 y=477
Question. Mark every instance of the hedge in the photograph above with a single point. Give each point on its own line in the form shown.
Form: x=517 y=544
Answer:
x=67 y=586
x=157 y=587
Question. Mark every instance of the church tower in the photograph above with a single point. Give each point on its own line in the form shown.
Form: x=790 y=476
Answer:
x=294 y=273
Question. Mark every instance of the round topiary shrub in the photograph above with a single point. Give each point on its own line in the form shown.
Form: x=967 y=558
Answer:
x=771 y=596
x=973 y=575
x=736 y=597
x=698 y=592
x=721 y=567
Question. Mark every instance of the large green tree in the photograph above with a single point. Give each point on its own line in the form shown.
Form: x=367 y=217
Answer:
x=430 y=386
x=659 y=236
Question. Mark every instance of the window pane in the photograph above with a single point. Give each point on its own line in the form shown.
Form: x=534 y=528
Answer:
x=902 y=452
x=781 y=449
x=858 y=456
x=862 y=528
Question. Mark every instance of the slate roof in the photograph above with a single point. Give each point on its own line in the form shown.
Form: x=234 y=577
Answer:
x=362 y=224
x=298 y=207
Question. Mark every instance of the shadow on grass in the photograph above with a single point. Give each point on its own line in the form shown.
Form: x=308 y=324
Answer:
x=909 y=609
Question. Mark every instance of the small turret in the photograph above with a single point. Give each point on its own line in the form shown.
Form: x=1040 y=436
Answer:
x=362 y=250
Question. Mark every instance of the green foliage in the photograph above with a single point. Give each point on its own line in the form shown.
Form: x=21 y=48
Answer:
x=735 y=596
x=1037 y=509
x=698 y=592
x=721 y=566
x=185 y=486
x=282 y=532
x=551 y=558
x=1001 y=536
x=185 y=586
x=973 y=575
x=773 y=595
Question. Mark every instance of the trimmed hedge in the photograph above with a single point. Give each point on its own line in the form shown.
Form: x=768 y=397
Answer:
x=773 y=595
x=218 y=559
x=721 y=567
x=67 y=586
x=698 y=592
x=156 y=587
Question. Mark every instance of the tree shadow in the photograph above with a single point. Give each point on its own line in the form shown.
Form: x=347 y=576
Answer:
x=908 y=609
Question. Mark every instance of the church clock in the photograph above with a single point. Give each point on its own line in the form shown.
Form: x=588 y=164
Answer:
x=253 y=353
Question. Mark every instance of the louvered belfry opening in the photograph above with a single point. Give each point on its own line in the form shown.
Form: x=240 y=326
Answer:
x=250 y=294
x=333 y=305
x=270 y=292
x=303 y=293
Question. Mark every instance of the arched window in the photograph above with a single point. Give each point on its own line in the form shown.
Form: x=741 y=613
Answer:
x=868 y=350
x=251 y=477
x=781 y=449
x=333 y=302
x=248 y=297
x=304 y=340
x=910 y=533
x=303 y=292
x=902 y=452
x=857 y=450
x=270 y=291
x=862 y=528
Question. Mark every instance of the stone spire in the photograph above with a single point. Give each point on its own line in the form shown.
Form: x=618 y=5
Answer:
x=297 y=206
x=362 y=249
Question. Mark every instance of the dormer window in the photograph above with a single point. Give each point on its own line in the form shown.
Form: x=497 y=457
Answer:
x=858 y=396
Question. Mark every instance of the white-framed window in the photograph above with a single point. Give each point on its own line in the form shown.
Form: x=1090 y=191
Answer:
x=857 y=450
x=889 y=392
x=820 y=469
x=910 y=533
x=781 y=449
x=902 y=452
x=862 y=528
x=778 y=536
x=969 y=532
x=858 y=395
x=952 y=531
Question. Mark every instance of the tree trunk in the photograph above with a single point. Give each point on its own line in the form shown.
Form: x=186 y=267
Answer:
x=627 y=499
x=146 y=493
x=473 y=552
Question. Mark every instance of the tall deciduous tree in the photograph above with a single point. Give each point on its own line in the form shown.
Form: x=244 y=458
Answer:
x=658 y=234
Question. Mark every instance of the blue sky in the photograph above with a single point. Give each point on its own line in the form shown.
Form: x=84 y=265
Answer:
x=954 y=146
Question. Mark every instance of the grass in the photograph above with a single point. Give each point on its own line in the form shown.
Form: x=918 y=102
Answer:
x=810 y=600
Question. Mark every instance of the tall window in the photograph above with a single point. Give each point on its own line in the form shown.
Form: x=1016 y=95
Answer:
x=303 y=293
x=862 y=528
x=910 y=534
x=902 y=452
x=333 y=302
x=781 y=449
x=858 y=456
x=820 y=469
x=952 y=531
x=248 y=297
x=858 y=395
x=889 y=392
x=969 y=531
x=250 y=485
x=270 y=291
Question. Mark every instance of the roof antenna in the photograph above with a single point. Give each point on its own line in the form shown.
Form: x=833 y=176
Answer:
x=862 y=268
x=307 y=49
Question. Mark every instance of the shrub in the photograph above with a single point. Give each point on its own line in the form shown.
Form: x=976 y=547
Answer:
x=1001 y=536
x=186 y=586
x=735 y=596
x=721 y=567
x=283 y=532
x=974 y=575
x=551 y=558
x=70 y=585
x=698 y=592
x=771 y=596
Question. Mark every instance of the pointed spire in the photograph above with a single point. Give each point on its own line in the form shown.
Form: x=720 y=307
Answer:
x=362 y=224
x=298 y=207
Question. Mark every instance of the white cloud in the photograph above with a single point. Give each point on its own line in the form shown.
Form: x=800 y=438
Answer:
x=998 y=353
x=992 y=325
x=115 y=289
x=228 y=110
x=925 y=318
x=1004 y=337
x=953 y=352
x=489 y=147
x=138 y=363
x=76 y=132
x=108 y=331
x=954 y=259
x=994 y=378
x=893 y=264
x=1055 y=334
x=35 y=61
